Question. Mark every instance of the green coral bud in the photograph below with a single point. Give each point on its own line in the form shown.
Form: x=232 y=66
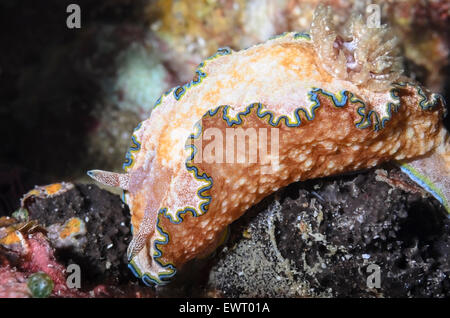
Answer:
x=21 y=215
x=40 y=285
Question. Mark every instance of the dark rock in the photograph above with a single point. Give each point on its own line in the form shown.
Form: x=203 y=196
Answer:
x=317 y=238
x=103 y=257
x=313 y=238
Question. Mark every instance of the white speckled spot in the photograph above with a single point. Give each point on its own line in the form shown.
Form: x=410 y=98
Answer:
x=409 y=133
x=377 y=146
x=395 y=148
x=308 y=163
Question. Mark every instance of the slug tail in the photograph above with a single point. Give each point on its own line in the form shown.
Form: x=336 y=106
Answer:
x=112 y=179
x=433 y=172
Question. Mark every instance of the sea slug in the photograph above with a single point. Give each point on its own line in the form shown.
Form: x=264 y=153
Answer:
x=304 y=105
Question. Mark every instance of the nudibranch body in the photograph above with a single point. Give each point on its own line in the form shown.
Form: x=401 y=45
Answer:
x=181 y=183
